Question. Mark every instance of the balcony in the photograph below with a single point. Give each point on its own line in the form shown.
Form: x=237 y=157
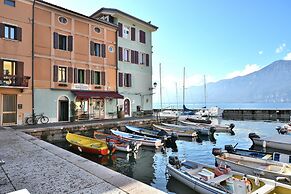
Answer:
x=14 y=81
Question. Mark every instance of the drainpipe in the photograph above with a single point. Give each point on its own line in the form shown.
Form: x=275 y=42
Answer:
x=32 y=61
x=117 y=51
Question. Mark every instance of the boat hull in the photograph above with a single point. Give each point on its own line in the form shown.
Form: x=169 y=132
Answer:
x=235 y=166
x=103 y=152
x=196 y=185
x=179 y=132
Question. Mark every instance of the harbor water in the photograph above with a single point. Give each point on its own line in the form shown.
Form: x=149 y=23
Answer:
x=149 y=165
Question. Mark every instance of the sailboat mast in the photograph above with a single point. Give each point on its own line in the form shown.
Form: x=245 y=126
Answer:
x=177 y=95
x=161 y=87
x=204 y=91
x=184 y=87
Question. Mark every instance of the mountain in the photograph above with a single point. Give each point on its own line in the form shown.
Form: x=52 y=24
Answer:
x=270 y=84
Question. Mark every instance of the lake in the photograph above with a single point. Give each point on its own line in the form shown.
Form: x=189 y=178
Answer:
x=149 y=165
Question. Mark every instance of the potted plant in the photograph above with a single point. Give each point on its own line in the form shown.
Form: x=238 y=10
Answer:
x=73 y=111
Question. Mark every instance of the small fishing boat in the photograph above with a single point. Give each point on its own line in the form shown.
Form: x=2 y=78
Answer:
x=146 y=141
x=90 y=145
x=275 y=156
x=168 y=114
x=207 y=121
x=221 y=180
x=120 y=144
x=179 y=132
x=200 y=130
x=285 y=129
x=281 y=142
x=255 y=166
x=162 y=134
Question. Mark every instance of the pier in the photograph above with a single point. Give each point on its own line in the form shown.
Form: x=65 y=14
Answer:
x=40 y=167
x=256 y=114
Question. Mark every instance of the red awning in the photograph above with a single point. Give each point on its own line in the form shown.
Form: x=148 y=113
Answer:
x=95 y=94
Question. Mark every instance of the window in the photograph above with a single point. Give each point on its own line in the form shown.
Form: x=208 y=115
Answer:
x=8 y=68
x=142 y=58
x=142 y=37
x=62 y=74
x=10 y=32
x=126 y=32
x=111 y=49
x=127 y=80
x=97 y=30
x=81 y=76
x=9 y=3
x=126 y=55
x=97 y=49
x=62 y=42
x=97 y=78
x=63 y=20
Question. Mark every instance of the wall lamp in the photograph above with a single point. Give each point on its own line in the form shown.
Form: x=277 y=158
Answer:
x=154 y=86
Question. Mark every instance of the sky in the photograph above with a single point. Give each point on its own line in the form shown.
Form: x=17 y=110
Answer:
x=220 y=39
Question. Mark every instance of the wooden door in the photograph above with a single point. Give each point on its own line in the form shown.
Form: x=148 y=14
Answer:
x=127 y=107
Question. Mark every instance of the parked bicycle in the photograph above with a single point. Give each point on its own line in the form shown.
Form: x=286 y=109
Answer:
x=34 y=120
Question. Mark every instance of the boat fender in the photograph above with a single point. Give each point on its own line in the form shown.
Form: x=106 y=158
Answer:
x=80 y=149
x=264 y=144
x=257 y=181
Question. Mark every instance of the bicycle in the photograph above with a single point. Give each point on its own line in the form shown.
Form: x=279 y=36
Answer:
x=34 y=120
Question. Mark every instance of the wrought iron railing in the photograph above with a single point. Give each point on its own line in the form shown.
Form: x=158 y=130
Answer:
x=13 y=80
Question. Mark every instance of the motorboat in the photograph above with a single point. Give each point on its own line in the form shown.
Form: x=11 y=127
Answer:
x=255 y=166
x=285 y=129
x=156 y=133
x=179 y=132
x=90 y=145
x=120 y=144
x=145 y=141
x=281 y=142
x=221 y=180
x=199 y=129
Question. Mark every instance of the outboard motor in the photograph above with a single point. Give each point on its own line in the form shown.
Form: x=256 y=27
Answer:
x=253 y=135
x=111 y=147
x=174 y=160
x=216 y=151
x=162 y=133
x=231 y=126
x=229 y=148
x=212 y=130
x=281 y=130
x=133 y=146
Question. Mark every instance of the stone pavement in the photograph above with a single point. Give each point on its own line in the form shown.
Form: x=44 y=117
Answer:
x=41 y=167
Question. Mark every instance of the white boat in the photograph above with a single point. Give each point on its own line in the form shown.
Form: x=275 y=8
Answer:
x=218 y=128
x=255 y=166
x=221 y=180
x=200 y=129
x=281 y=142
x=146 y=141
x=179 y=132
x=285 y=129
x=210 y=112
x=169 y=113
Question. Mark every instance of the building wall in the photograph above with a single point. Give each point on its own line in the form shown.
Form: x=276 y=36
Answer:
x=140 y=93
x=17 y=51
x=83 y=32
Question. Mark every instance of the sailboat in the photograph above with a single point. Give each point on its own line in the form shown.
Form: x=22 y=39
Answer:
x=208 y=112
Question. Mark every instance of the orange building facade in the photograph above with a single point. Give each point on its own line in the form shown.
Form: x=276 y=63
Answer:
x=75 y=63
x=15 y=61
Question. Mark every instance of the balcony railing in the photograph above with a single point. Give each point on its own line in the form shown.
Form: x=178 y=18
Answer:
x=14 y=81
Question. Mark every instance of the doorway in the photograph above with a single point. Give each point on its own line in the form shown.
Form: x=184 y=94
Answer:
x=98 y=108
x=63 y=109
x=127 y=107
x=9 y=109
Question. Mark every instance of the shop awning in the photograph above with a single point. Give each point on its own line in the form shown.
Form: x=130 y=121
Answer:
x=96 y=94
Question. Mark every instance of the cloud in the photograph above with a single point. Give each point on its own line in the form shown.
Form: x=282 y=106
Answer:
x=280 y=48
x=288 y=56
x=261 y=52
x=249 y=68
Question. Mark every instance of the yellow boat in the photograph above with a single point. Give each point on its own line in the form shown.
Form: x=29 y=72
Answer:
x=89 y=145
